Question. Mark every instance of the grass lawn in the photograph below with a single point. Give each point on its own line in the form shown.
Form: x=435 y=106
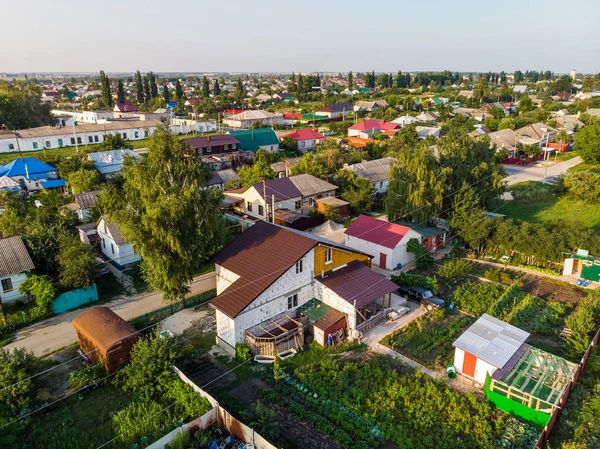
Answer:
x=561 y=157
x=583 y=167
x=429 y=338
x=80 y=421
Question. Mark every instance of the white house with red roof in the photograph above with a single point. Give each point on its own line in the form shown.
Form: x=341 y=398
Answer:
x=366 y=128
x=385 y=242
x=307 y=138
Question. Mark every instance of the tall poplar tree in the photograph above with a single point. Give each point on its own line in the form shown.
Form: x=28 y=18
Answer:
x=217 y=89
x=105 y=89
x=350 y=81
x=120 y=92
x=139 y=87
x=239 y=91
x=147 y=94
x=166 y=93
x=153 y=86
x=178 y=90
x=205 y=88
x=173 y=222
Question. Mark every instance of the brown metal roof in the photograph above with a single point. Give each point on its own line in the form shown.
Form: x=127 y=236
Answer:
x=207 y=141
x=14 y=257
x=103 y=327
x=259 y=256
x=357 y=282
x=280 y=189
x=329 y=319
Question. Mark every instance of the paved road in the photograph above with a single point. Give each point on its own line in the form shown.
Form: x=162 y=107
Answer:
x=57 y=332
x=536 y=173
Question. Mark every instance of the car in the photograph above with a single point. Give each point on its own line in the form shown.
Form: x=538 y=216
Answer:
x=422 y=296
x=102 y=267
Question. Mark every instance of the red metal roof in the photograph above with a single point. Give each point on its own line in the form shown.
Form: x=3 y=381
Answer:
x=377 y=231
x=367 y=125
x=290 y=116
x=304 y=134
x=358 y=284
x=259 y=256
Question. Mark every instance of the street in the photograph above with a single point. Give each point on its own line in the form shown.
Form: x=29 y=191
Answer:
x=57 y=332
x=536 y=173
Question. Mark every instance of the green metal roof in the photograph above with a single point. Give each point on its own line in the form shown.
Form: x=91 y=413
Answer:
x=425 y=231
x=253 y=139
x=314 y=309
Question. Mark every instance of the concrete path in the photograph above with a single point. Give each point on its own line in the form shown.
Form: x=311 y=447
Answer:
x=57 y=332
x=536 y=172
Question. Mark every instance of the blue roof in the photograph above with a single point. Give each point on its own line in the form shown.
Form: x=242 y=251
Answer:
x=172 y=104
x=21 y=167
x=53 y=183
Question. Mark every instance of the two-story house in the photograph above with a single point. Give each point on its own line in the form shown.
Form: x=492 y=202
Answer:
x=272 y=281
x=15 y=263
x=218 y=145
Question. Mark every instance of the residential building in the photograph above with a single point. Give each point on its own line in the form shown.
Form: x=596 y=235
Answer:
x=367 y=128
x=269 y=274
x=477 y=114
x=111 y=162
x=370 y=106
x=83 y=203
x=568 y=122
x=85 y=116
x=248 y=119
x=32 y=175
x=114 y=247
x=125 y=106
x=307 y=139
x=376 y=171
x=217 y=145
x=15 y=264
x=521 y=89
x=489 y=106
x=426 y=117
x=405 y=120
x=336 y=110
x=283 y=168
x=428 y=131
x=254 y=139
x=537 y=131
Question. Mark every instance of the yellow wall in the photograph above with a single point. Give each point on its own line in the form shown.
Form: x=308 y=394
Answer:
x=339 y=258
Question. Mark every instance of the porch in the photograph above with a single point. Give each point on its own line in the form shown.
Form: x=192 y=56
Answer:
x=280 y=333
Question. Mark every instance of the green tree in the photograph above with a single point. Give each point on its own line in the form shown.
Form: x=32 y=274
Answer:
x=120 y=92
x=166 y=93
x=113 y=142
x=178 y=90
x=263 y=420
x=23 y=108
x=147 y=92
x=139 y=87
x=153 y=85
x=17 y=388
x=105 y=89
x=289 y=144
x=82 y=180
x=217 y=89
x=350 y=81
x=205 y=88
x=587 y=144
x=259 y=170
x=278 y=373
x=583 y=185
x=408 y=104
x=77 y=263
x=525 y=104
x=174 y=222
x=359 y=192
x=311 y=163
x=238 y=93
x=42 y=290
x=423 y=258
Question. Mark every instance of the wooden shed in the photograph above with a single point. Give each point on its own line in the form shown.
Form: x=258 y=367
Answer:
x=105 y=337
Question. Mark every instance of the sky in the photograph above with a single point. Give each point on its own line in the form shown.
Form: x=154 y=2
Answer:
x=299 y=36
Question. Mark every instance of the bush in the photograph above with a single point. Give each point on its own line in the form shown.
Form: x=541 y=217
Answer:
x=242 y=352
x=141 y=420
x=415 y=280
x=42 y=291
x=476 y=298
x=455 y=269
x=86 y=376
x=582 y=324
x=189 y=403
x=332 y=213
x=423 y=258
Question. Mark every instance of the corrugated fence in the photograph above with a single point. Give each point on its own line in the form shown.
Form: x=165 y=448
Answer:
x=75 y=298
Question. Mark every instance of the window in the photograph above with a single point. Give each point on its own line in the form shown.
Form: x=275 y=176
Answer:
x=72 y=140
x=249 y=206
x=233 y=146
x=105 y=229
x=328 y=255
x=11 y=146
x=90 y=139
x=209 y=149
x=380 y=184
x=112 y=248
x=298 y=205
x=311 y=202
x=261 y=210
x=124 y=135
x=136 y=134
x=60 y=143
x=35 y=145
x=302 y=143
x=48 y=144
x=96 y=139
x=103 y=243
x=300 y=266
x=225 y=147
x=146 y=133
x=7 y=285
x=79 y=140
x=596 y=262
x=293 y=301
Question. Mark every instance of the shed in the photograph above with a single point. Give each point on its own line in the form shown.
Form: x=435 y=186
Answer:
x=583 y=265
x=487 y=346
x=331 y=201
x=325 y=319
x=105 y=337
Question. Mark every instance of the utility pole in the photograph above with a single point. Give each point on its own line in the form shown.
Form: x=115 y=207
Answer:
x=18 y=145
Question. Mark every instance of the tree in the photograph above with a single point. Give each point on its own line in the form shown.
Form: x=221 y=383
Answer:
x=583 y=185
x=423 y=258
x=23 y=108
x=43 y=292
x=216 y=89
x=525 y=104
x=205 y=88
x=82 y=180
x=239 y=91
x=359 y=192
x=263 y=420
x=153 y=85
x=139 y=87
x=147 y=94
x=105 y=89
x=289 y=144
x=77 y=263
x=120 y=92
x=173 y=222
x=259 y=170
x=178 y=90
x=166 y=93
x=113 y=142
x=350 y=81
x=562 y=136
x=17 y=389
x=587 y=144
x=407 y=104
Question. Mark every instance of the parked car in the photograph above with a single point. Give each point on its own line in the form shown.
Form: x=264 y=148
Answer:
x=102 y=267
x=422 y=296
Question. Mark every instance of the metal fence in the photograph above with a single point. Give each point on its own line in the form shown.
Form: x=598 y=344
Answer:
x=150 y=318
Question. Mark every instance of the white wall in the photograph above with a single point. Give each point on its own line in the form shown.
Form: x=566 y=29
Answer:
x=380 y=186
x=394 y=256
x=481 y=369
x=332 y=299
x=307 y=145
x=14 y=294
x=225 y=278
x=256 y=199
x=459 y=360
x=121 y=254
x=225 y=328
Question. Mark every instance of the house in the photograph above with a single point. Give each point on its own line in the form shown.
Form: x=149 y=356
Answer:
x=504 y=139
x=335 y=110
x=283 y=168
x=477 y=114
x=480 y=131
x=307 y=138
x=582 y=265
x=376 y=171
x=489 y=106
x=125 y=106
x=465 y=93
x=428 y=131
x=111 y=162
x=248 y=119
x=50 y=95
x=32 y=175
x=269 y=274
x=568 y=122
x=263 y=98
x=8 y=185
x=218 y=145
x=537 y=131
x=254 y=139
x=216 y=181
x=426 y=117
x=520 y=89
x=227 y=175
x=83 y=202
x=371 y=106
x=384 y=241
x=366 y=128
x=15 y=263
x=405 y=120
x=84 y=116
x=114 y=247
x=192 y=102
x=362 y=90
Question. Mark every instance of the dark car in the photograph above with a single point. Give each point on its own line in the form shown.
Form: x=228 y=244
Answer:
x=423 y=296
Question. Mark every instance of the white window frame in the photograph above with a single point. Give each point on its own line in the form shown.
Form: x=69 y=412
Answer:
x=300 y=266
x=292 y=301
x=328 y=256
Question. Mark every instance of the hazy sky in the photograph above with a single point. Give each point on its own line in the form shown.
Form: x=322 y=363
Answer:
x=304 y=35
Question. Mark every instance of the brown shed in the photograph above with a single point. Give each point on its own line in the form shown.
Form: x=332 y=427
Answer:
x=105 y=337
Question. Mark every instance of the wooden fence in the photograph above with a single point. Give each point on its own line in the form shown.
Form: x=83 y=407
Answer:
x=567 y=393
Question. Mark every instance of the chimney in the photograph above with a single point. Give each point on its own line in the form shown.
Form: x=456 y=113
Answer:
x=208 y=137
